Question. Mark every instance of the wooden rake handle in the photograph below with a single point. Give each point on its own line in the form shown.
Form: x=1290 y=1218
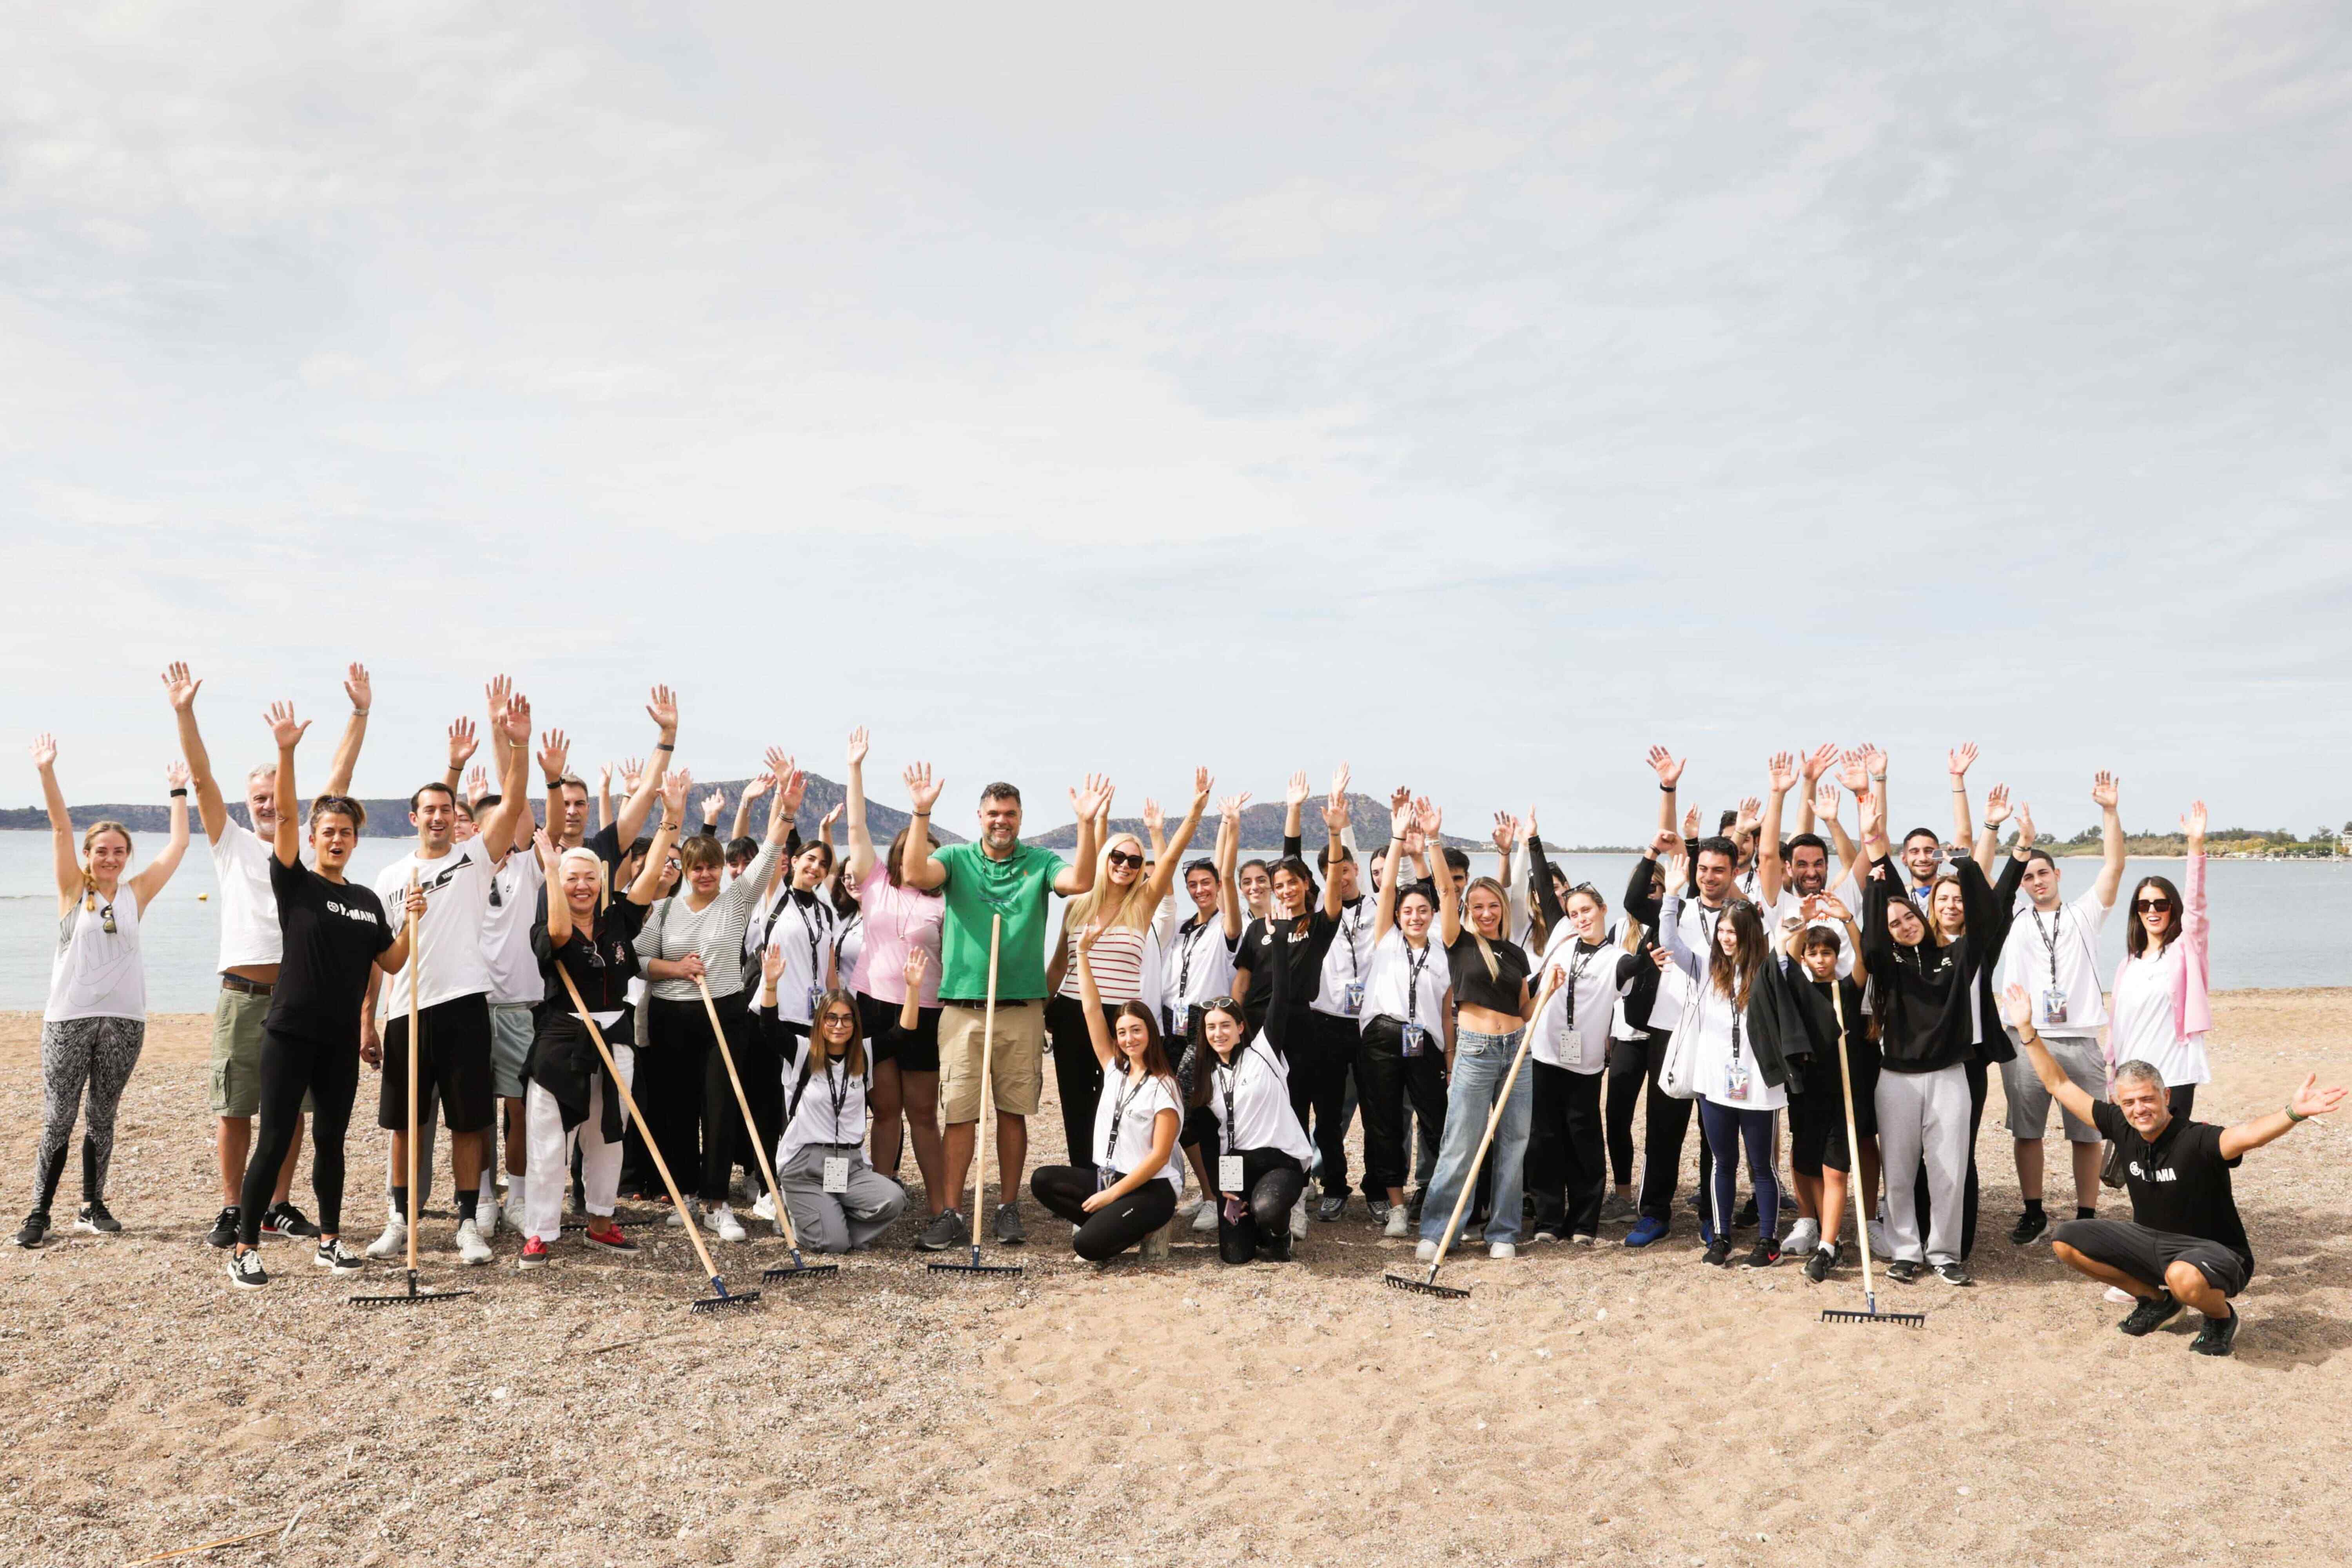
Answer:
x=743 y=1103
x=1470 y=1174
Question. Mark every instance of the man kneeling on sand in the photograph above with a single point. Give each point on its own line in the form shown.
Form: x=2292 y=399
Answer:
x=2184 y=1245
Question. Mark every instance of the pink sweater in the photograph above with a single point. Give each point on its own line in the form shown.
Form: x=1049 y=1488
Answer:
x=2192 y=1010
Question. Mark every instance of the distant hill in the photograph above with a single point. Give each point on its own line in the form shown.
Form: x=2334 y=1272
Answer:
x=1262 y=828
x=389 y=818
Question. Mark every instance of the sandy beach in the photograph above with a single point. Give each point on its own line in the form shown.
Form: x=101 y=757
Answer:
x=1600 y=1406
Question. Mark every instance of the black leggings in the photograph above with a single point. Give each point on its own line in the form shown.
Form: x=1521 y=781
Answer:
x=668 y=1090
x=291 y=1069
x=1629 y=1071
x=1077 y=1076
x=1385 y=1079
x=1113 y=1229
x=1567 y=1112
x=1321 y=1050
x=726 y=1143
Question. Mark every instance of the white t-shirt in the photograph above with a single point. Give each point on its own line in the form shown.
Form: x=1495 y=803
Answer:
x=1584 y=1048
x=2067 y=937
x=1716 y=1019
x=99 y=974
x=1408 y=984
x=1846 y=890
x=1143 y=1102
x=506 y=930
x=802 y=933
x=1197 y=962
x=816 y=1120
x=449 y=937
x=249 y=912
x=2144 y=1027
x=1259 y=1082
x=1347 y=959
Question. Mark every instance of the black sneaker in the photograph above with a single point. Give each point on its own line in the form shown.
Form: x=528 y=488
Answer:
x=1718 y=1252
x=244 y=1269
x=1008 y=1225
x=945 y=1230
x=2029 y=1228
x=1818 y=1267
x=223 y=1230
x=35 y=1228
x=1333 y=1206
x=2217 y=1336
x=1413 y=1212
x=94 y=1219
x=1746 y=1218
x=1767 y=1252
x=284 y=1219
x=334 y=1254
x=1903 y=1271
x=1955 y=1274
x=2151 y=1314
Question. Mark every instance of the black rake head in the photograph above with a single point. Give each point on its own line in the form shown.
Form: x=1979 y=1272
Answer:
x=413 y=1297
x=803 y=1271
x=976 y=1267
x=1901 y=1320
x=721 y=1299
x=1429 y=1287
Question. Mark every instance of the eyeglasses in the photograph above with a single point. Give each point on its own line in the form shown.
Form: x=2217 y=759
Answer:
x=2159 y=906
x=846 y=1020
x=1121 y=858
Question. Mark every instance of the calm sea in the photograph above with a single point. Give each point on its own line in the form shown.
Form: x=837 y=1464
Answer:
x=2275 y=924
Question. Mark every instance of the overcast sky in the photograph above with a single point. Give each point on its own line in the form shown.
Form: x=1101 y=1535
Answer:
x=1475 y=396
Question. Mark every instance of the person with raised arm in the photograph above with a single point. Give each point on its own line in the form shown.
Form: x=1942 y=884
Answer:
x=96 y=1019
x=250 y=944
x=1196 y=968
x=1407 y=1026
x=1261 y=1148
x=2184 y=1245
x=567 y=795
x=336 y=938
x=1322 y=1064
x=2159 y=1012
x=801 y=925
x=1585 y=974
x=997 y=879
x=692 y=940
x=589 y=936
x=900 y=922
x=453 y=1011
x=1813 y=1015
x=1134 y=1178
x=2052 y=953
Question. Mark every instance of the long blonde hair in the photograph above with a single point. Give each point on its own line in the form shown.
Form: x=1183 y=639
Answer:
x=89 y=883
x=1485 y=951
x=1134 y=913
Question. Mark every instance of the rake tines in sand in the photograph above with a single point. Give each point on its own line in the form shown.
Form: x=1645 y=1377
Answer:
x=415 y=1046
x=721 y=1297
x=980 y=1130
x=1427 y=1285
x=801 y=1271
x=1861 y=1230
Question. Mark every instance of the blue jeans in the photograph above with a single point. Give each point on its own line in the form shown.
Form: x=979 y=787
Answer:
x=1481 y=1062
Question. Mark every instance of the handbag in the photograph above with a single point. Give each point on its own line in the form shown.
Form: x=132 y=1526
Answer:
x=1678 y=1070
x=2111 y=1169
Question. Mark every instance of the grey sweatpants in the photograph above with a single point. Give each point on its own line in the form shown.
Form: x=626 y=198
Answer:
x=1925 y=1115
x=838 y=1222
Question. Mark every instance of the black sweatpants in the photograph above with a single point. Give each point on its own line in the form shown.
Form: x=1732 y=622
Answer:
x=1077 y=1077
x=1568 y=1111
x=291 y=1069
x=1629 y=1071
x=669 y=1089
x=726 y=1141
x=1272 y=1181
x=1664 y=1124
x=1322 y=1054
x=1113 y=1229
x=1978 y=1085
x=1385 y=1077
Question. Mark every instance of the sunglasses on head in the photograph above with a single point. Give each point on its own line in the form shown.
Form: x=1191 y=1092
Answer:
x=1121 y=858
x=2160 y=906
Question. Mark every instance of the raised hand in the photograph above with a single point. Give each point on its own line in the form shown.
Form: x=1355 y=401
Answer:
x=1152 y=821
x=1752 y=815
x=772 y=965
x=1830 y=907
x=1821 y=759
x=1529 y=824
x=550 y=856
x=1996 y=806
x=1507 y=833
x=2024 y=826
x=283 y=730
x=1826 y=800
x=1202 y=785
x=1339 y=777
x=2193 y=826
x=824 y=824
x=180 y=688
x=712 y=804
x=920 y=787
x=45 y=751
x=357 y=688
x=2312 y=1100
x=2104 y=790
x=1961 y=758
x=555 y=756
x=1230 y=807
x=1092 y=798
x=604 y=776
x=1874 y=758
x=517 y=719
x=1664 y=842
x=1873 y=807
x=857 y=744
x=1780 y=773
x=2016 y=1007
x=497 y=692
x=176 y=774
x=792 y=784
x=462 y=743
x=478 y=782
x=674 y=786
x=1399 y=813
x=1296 y=793
x=1851 y=773
x=661 y=707
x=1678 y=871
x=632 y=770
x=1668 y=768
x=1690 y=824
x=1431 y=819
x=918 y=961
x=758 y=785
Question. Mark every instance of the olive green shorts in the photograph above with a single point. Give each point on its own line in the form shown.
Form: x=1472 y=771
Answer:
x=237 y=1053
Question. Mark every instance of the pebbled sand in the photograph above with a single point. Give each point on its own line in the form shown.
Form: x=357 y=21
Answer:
x=1591 y=1408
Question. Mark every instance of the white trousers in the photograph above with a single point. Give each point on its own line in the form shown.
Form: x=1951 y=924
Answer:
x=548 y=1153
x=1925 y=1116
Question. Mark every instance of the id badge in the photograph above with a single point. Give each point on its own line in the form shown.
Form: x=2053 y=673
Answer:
x=836 y=1174
x=1353 y=1005
x=1229 y=1173
x=2053 y=1006
x=813 y=993
x=1416 y=1039
x=1104 y=1177
x=1736 y=1079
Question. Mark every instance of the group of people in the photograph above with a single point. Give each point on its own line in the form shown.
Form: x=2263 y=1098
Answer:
x=789 y=1017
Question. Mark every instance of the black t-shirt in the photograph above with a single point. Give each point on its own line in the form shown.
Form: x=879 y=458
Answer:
x=1473 y=986
x=601 y=967
x=2180 y=1182
x=333 y=932
x=1303 y=950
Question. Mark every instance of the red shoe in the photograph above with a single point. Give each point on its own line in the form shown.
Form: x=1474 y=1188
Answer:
x=534 y=1253
x=609 y=1238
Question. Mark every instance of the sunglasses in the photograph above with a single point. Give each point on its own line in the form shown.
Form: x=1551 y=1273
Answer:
x=105 y=920
x=2159 y=906
x=1221 y=1005
x=1121 y=858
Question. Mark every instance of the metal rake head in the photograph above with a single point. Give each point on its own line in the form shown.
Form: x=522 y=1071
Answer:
x=412 y=1299
x=976 y=1268
x=1901 y=1320
x=1429 y=1287
x=803 y=1271
x=721 y=1299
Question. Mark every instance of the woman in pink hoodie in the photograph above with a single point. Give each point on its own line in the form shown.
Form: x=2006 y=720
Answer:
x=2159 y=1013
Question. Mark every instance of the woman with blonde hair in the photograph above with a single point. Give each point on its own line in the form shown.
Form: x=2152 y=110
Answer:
x=1118 y=911
x=96 y=1020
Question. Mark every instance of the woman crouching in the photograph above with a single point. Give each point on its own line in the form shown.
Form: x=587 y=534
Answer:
x=839 y=1202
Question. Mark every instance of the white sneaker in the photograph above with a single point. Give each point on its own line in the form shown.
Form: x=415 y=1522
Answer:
x=1426 y=1252
x=1802 y=1238
x=1399 y=1226
x=1502 y=1249
x=393 y=1243
x=723 y=1221
x=765 y=1208
x=486 y=1212
x=1190 y=1208
x=1882 y=1244
x=1299 y=1219
x=1205 y=1217
x=471 y=1248
x=676 y=1219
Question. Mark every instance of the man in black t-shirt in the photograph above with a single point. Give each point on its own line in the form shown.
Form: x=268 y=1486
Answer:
x=2184 y=1245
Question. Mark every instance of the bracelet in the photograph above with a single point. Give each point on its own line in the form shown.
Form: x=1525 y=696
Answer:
x=925 y=812
x=2292 y=1118
x=663 y=746
x=1666 y=789
x=671 y=826
x=179 y=794
x=359 y=712
x=1878 y=778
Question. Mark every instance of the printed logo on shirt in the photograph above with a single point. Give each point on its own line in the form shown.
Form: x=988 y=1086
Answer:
x=2158 y=1175
x=352 y=912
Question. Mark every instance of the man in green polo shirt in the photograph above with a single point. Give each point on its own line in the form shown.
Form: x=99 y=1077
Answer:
x=997 y=878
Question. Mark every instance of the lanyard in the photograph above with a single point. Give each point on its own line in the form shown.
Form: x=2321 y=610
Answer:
x=1576 y=967
x=1119 y=1116
x=1192 y=944
x=836 y=1088
x=1233 y=1122
x=1348 y=930
x=1413 y=980
x=1708 y=926
x=2049 y=938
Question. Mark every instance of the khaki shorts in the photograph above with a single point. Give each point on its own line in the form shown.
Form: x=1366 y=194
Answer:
x=237 y=1055
x=513 y=1026
x=1016 y=1060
